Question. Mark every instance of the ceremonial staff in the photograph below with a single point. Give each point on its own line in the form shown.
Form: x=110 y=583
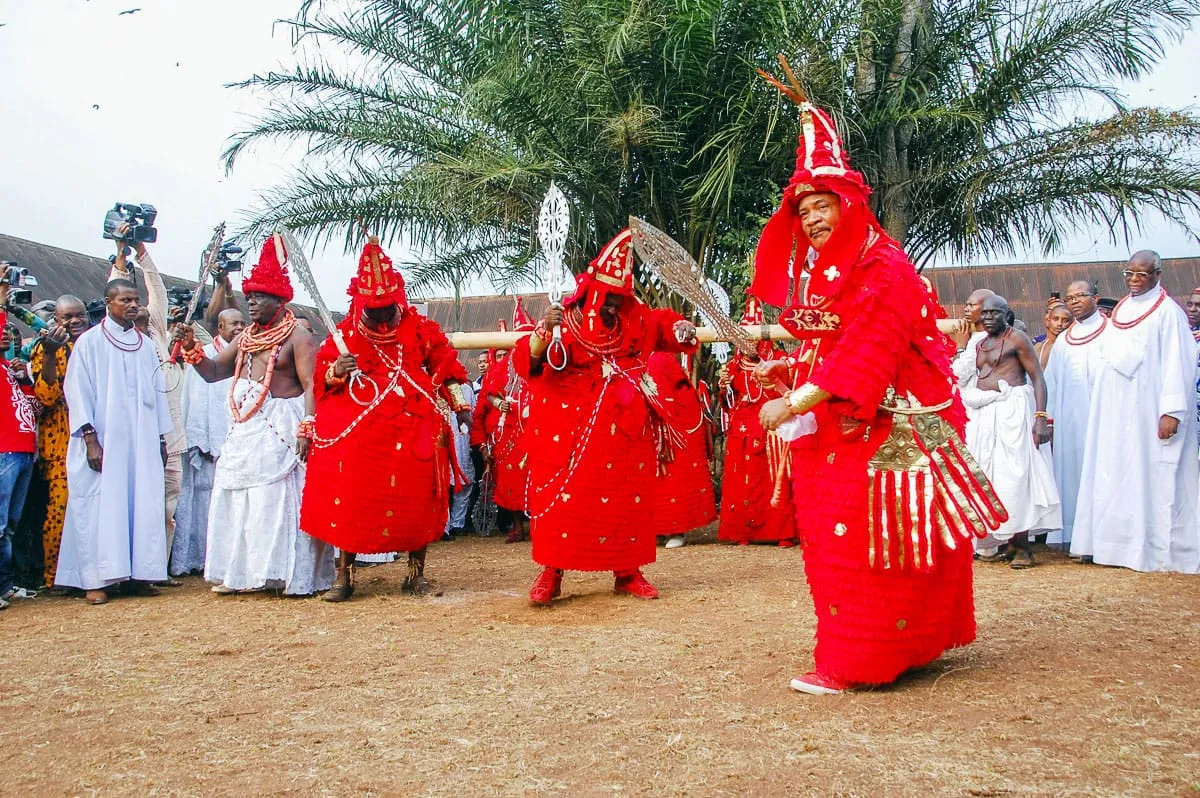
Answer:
x=300 y=267
x=207 y=259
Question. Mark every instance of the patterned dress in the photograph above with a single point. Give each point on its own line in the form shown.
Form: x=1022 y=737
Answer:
x=53 y=436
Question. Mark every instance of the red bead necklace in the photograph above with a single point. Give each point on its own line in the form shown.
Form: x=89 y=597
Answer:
x=1087 y=339
x=124 y=347
x=1125 y=325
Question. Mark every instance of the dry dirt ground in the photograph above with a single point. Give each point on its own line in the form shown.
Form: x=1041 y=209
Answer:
x=1084 y=681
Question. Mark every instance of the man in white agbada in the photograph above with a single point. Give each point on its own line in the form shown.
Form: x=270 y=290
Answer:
x=254 y=536
x=119 y=417
x=153 y=321
x=206 y=422
x=1137 y=498
x=1070 y=378
x=1008 y=432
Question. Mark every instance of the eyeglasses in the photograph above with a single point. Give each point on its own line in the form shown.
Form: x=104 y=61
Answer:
x=1073 y=297
x=1129 y=275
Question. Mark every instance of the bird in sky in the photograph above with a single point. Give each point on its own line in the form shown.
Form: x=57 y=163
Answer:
x=129 y=11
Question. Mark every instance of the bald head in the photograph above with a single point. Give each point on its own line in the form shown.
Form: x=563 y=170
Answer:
x=71 y=313
x=230 y=322
x=974 y=304
x=994 y=314
x=1142 y=271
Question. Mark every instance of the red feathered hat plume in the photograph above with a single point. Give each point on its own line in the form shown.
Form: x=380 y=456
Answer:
x=822 y=167
x=270 y=274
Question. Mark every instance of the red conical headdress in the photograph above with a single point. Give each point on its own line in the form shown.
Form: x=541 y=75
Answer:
x=270 y=274
x=822 y=166
x=610 y=273
x=378 y=283
x=502 y=326
x=753 y=316
x=521 y=321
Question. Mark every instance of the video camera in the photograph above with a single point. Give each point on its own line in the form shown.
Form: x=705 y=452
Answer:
x=225 y=260
x=178 y=300
x=19 y=278
x=95 y=311
x=140 y=219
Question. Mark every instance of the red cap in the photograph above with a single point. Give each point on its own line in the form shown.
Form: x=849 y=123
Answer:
x=610 y=273
x=822 y=166
x=378 y=283
x=270 y=274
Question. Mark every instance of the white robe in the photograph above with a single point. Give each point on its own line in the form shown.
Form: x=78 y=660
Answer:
x=1137 y=498
x=254 y=537
x=1000 y=437
x=1070 y=378
x=113 y=530
x=206 y=423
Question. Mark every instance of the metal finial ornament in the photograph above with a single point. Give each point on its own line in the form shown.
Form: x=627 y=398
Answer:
x=298 y=264
x=720 y=349
x=672 y=264
x=554 y=224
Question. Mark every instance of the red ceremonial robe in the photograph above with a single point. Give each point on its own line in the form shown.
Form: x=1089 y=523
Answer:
x=379 y=476
x=887 y=596
x=592 y=446
x=746 y=484
x=685 y=493
x=504 y=433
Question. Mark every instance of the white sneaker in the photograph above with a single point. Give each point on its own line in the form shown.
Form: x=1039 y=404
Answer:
x=3 y=604
x=815 y=684
x=676 y=542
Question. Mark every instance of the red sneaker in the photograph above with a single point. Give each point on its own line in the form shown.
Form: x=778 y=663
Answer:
x=546 y=588
x=635 y=585
x=815 y=683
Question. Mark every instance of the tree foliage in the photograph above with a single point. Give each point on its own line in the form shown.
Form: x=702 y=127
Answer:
x=442 y=122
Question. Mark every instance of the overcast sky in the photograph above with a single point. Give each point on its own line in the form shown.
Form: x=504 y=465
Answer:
x=164 y=116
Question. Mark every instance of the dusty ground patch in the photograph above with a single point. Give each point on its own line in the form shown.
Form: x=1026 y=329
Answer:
x=1084 y=682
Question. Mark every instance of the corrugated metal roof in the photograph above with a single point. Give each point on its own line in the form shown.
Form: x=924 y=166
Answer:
x=1026 y=286
x=61 y=271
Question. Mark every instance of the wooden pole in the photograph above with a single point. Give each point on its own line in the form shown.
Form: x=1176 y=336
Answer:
x=767 y=332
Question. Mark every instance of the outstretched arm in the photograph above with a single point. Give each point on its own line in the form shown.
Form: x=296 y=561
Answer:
x=214 y=369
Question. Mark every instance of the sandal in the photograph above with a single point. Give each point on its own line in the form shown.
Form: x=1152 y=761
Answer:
x=96 y=597
x=1022 y=559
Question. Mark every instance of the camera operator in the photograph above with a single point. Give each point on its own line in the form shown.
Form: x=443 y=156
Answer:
x=223 y=297
x=18 y=442
x=158 y=329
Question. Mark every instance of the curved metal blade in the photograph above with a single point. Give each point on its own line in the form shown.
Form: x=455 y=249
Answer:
x=672 y=264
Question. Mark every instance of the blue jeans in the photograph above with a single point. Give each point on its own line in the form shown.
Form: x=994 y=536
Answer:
x=15 y=470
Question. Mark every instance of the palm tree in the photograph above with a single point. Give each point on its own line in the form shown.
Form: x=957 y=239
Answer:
x=456 y=114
